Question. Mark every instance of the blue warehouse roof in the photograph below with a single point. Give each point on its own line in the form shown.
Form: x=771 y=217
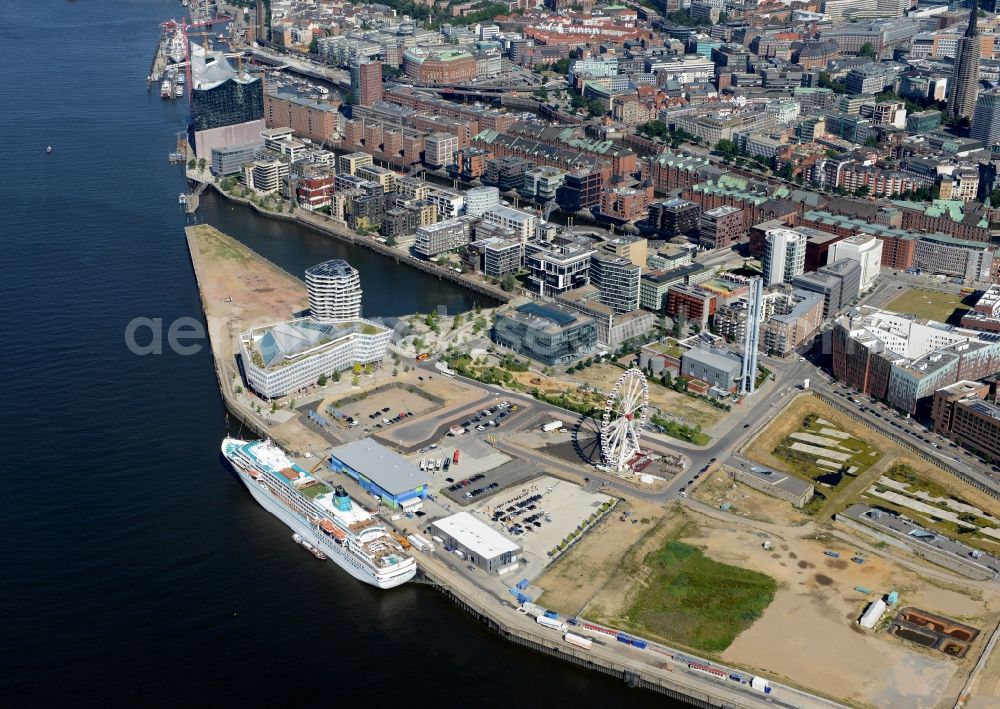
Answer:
x=386 y=468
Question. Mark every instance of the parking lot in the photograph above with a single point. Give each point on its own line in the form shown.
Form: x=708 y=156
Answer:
x=374 y=411
x=539 y=514
x=489 y=419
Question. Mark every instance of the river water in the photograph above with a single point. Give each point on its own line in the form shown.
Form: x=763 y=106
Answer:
x=135 y=570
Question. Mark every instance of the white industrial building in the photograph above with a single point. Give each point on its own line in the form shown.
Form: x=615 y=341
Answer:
x=334 y=291
x=873 y=614
x=477 y=542
x=863 y=248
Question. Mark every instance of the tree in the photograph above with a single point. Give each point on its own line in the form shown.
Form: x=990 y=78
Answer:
x=201 y=164
x=390 y=241
x=336 y=376
x=508 y=282
x=355 y=381
x=727 y=147
x=862 y=191
x=322 y=380
x=595 y=108
x=867 y=50
x=682 y=17
x=561 y=66
x=653 y=129
x=314 y=46
x=192 y=164
x=457 y=322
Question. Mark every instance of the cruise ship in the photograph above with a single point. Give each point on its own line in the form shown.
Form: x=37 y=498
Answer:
x=177 y=49
x=324 y=517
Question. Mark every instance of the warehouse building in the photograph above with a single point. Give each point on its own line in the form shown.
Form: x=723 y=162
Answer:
x=714 y=366
x=382 y=473
x=477 y=542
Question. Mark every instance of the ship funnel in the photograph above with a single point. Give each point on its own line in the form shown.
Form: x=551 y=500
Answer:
x=341 y=499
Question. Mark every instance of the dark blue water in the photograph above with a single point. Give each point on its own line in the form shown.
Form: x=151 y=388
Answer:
x=134 y=569
x=390 y=289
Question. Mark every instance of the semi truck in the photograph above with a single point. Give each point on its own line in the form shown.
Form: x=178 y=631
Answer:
x=553 y=425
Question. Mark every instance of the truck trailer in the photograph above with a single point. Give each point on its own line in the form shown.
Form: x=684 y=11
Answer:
x=551 y=623
x=420 y=543
x=579 y=641
x=553 y=425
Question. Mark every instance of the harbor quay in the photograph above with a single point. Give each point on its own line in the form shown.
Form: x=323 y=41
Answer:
x=239 y=289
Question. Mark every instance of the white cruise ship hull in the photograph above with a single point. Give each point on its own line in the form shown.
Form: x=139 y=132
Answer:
x=343 y=558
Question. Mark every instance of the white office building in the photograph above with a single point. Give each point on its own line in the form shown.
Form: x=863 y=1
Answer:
x=283 y=358
x=863 y=248
x=480 y=200
x=449 y=204
x=523 y=223
x=784 y=255
x=334 y=291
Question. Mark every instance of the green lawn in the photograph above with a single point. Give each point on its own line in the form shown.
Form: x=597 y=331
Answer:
x=695 y=601
x=315 y=489
x=928 y=304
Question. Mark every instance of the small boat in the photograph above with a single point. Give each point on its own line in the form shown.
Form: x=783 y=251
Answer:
x=48 y=148
x=300 y=540
x=182 y=198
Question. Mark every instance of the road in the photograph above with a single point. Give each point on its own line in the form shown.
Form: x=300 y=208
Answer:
x=763 y=407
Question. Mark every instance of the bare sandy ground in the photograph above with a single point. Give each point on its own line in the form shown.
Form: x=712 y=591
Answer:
x=809 y=634
x=573 y=581
x=258 y=292
x=718 y=489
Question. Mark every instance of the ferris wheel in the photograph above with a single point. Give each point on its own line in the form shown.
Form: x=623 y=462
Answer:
x=624 y=416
